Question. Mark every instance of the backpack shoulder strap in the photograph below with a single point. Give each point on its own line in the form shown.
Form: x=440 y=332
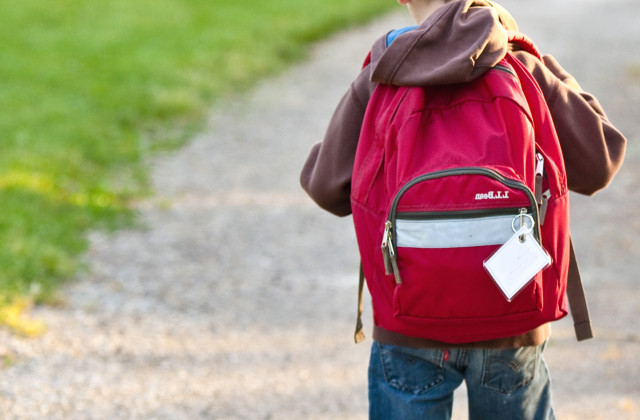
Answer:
x=578 y=301
x=525 y=43
x=359 y=334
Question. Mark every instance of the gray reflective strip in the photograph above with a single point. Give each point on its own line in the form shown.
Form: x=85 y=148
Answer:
x=454 y=233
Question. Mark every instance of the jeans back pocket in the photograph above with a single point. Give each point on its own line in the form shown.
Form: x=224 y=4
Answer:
x=508 y=370
x=413 y=371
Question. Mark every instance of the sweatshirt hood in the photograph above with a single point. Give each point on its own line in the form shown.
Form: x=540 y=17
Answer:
x=457 y=43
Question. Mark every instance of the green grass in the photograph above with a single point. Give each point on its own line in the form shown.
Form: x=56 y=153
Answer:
x=90 y=88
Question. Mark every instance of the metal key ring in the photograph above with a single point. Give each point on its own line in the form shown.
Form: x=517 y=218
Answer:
x=521 y=218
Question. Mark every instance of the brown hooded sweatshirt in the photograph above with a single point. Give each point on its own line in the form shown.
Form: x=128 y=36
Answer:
x=459 y=42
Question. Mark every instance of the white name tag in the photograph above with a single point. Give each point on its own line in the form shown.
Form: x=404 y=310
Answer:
x=517 y=262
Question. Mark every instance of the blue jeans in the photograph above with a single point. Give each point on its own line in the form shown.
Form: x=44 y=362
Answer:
x=503 y=384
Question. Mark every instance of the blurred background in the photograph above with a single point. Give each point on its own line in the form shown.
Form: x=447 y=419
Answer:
x=91 y=89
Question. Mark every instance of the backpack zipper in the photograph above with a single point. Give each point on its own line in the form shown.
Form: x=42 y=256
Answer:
x=460 y=214
x=464 y=171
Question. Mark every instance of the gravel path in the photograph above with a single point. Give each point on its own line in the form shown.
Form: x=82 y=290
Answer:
x=235 y=298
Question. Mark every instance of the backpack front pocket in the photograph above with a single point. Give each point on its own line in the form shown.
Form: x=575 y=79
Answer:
x=436 y=252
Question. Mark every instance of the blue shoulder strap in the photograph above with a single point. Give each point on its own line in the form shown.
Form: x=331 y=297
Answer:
x=391 y=36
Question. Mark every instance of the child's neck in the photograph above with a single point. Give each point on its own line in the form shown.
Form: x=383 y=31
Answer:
x=422 y=10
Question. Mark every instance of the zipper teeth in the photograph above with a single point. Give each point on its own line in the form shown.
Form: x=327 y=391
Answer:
x=456 y=214
x=465 y=171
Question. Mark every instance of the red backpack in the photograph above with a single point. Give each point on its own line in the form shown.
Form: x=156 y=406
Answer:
x=443 y=177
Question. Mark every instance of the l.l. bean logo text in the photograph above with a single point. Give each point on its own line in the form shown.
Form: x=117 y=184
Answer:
x=493 y=195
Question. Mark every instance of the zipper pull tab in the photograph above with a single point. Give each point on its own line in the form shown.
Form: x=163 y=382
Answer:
x=543 y=208
x=387 y=249
x=394 y=264
x=389 y=254
x=539 y=176
x=521 y=218
x=539 y=164
x=523 y=211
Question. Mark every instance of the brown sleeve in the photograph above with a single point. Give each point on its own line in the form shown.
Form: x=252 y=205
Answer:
x=593 y=148
x=326 y=175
